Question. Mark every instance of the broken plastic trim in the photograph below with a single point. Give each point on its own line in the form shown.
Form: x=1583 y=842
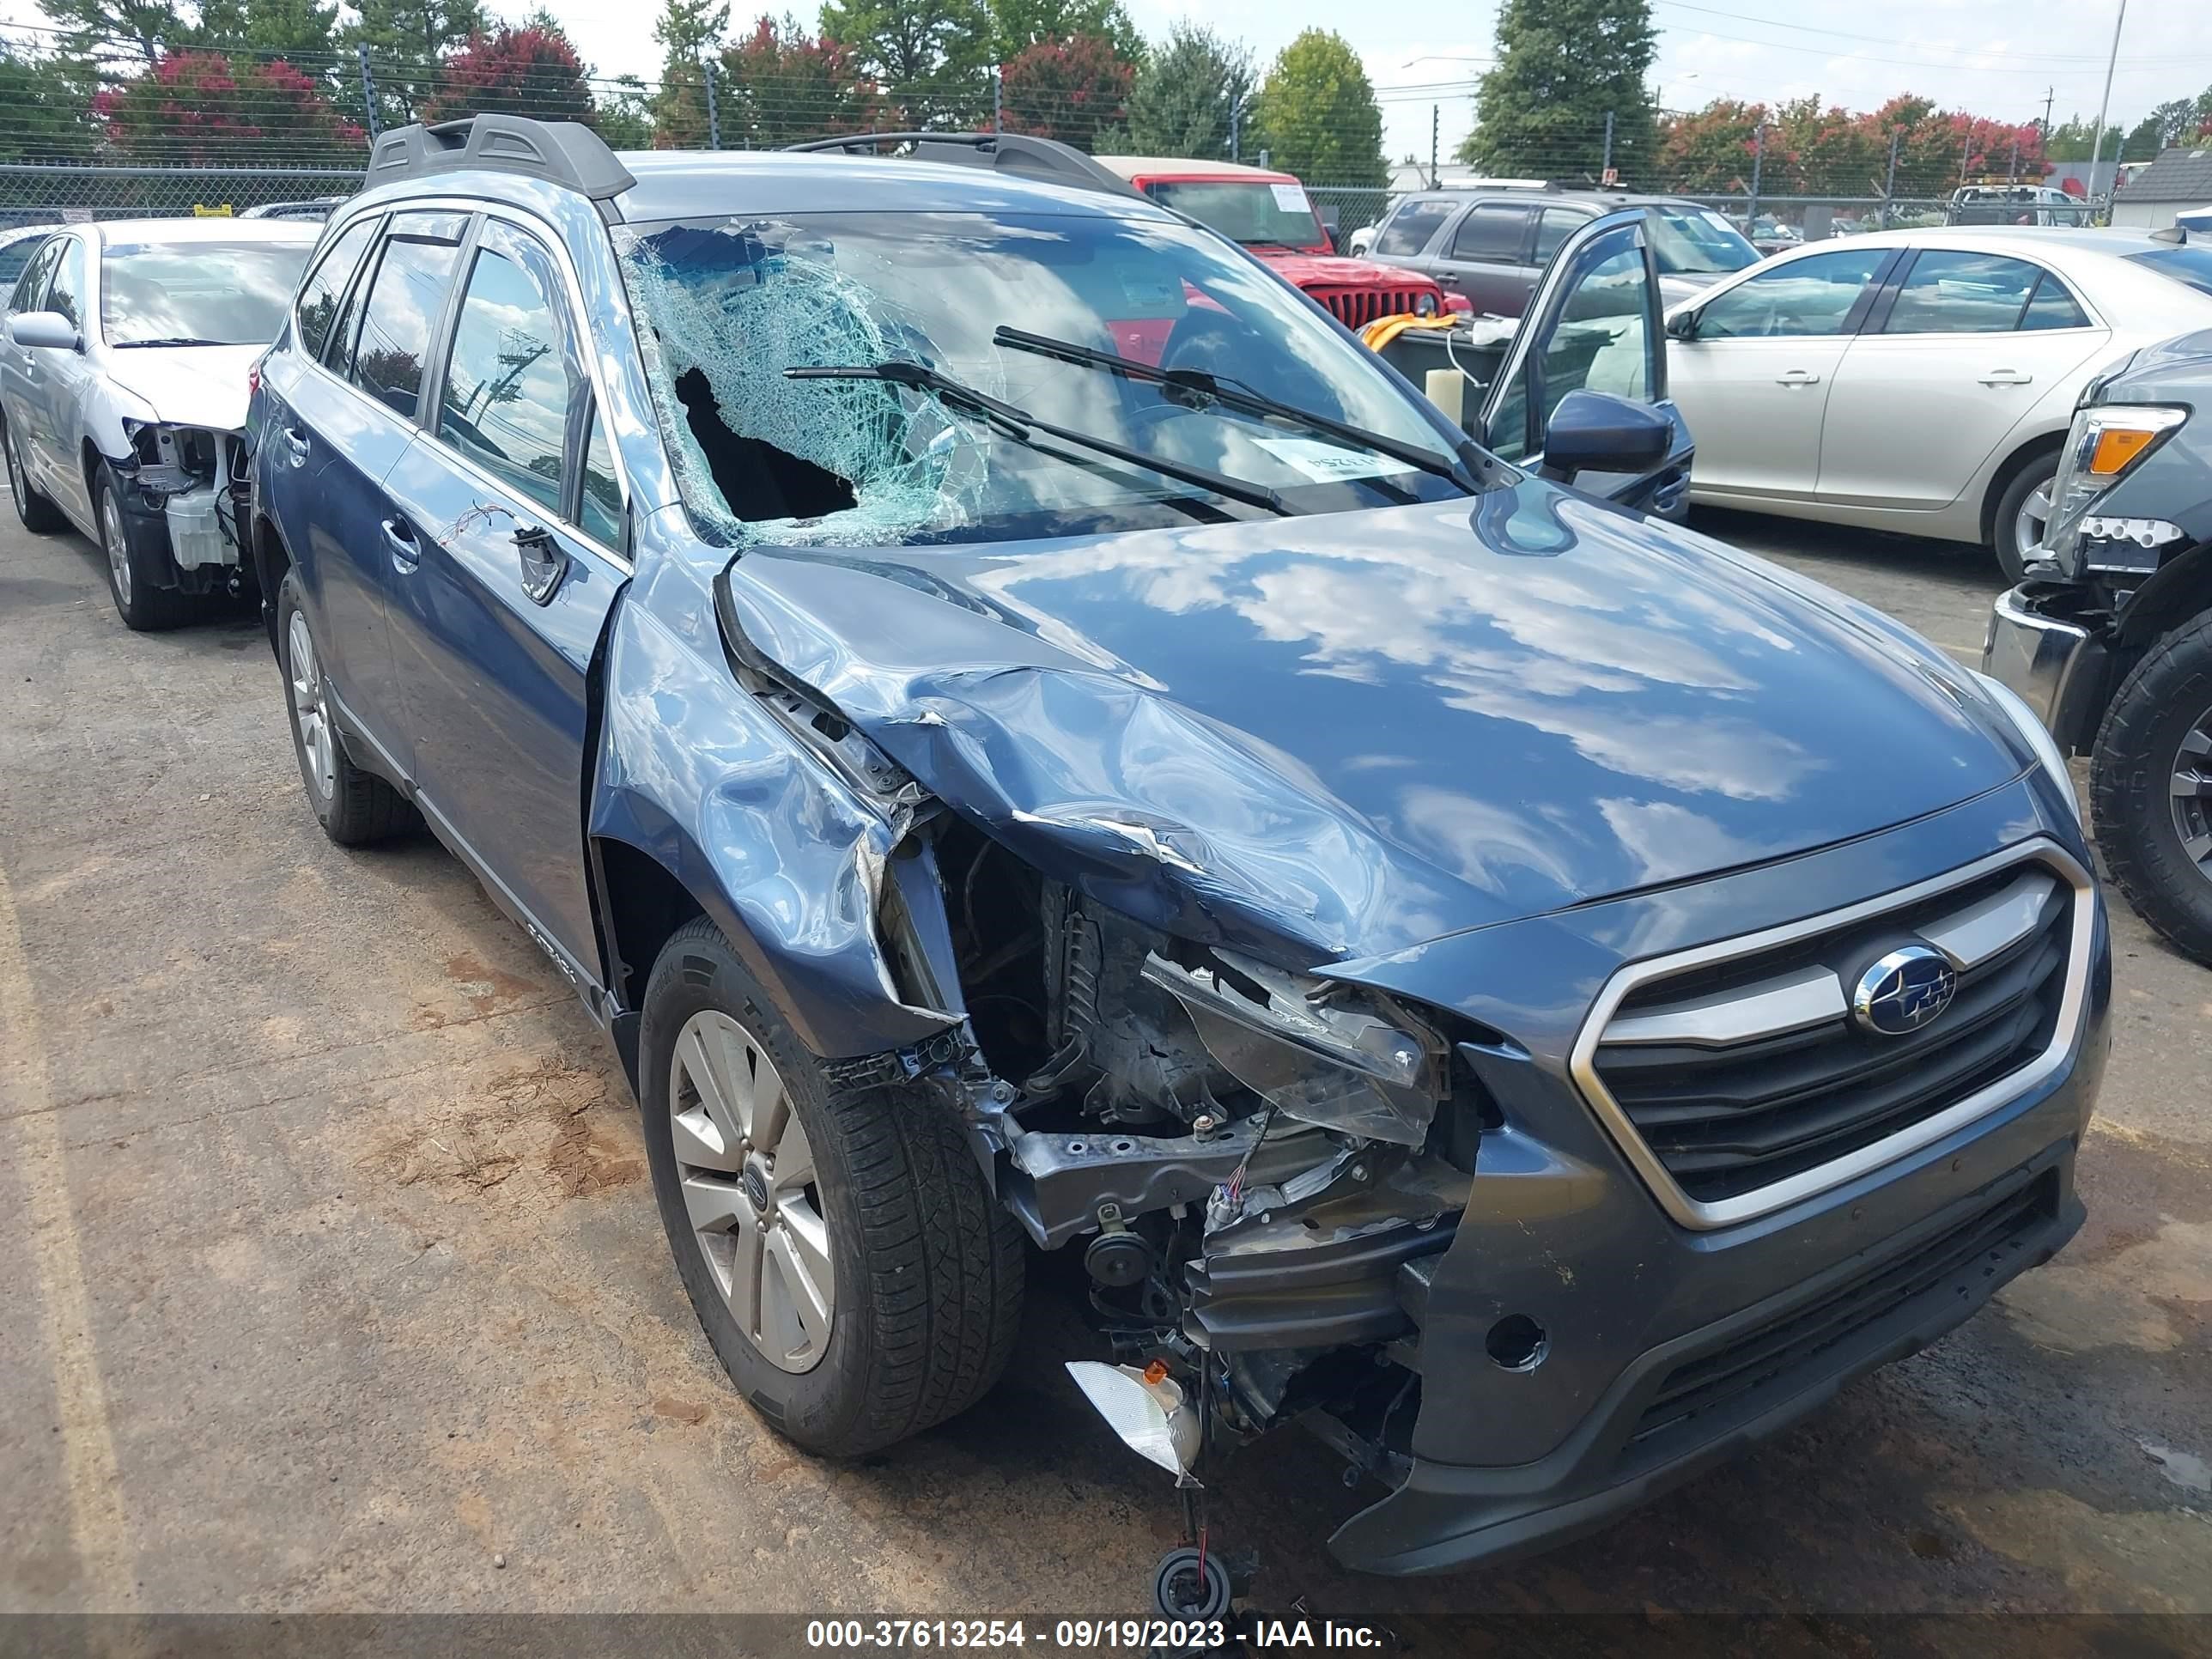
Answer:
x=1337 y=1068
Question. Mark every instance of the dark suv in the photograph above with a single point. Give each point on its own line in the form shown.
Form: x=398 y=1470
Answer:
x=1491 y=246
x=1532 y=991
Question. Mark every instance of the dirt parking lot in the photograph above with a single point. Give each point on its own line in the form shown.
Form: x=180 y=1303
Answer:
x=334 y=1279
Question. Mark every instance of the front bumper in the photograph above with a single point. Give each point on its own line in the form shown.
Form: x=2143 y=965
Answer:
x=1771 y=1364
x=2042 y=647
x=1666 y=1347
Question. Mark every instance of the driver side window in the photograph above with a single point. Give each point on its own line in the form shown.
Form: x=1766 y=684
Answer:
x=1811 y=296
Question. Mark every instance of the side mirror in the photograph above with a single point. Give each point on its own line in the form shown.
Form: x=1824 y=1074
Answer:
x=1683 y=325
x=48 y=329
x=1597 y=432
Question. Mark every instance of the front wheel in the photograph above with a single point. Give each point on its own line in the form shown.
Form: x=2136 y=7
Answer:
x=2150 y=787
x=134 y=573
x=843 y=1253
x=2023 y=514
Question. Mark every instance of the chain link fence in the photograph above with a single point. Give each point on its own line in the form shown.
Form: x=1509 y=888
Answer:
x=32 y=193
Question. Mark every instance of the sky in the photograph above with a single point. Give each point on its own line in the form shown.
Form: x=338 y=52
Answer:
x=1994 y=57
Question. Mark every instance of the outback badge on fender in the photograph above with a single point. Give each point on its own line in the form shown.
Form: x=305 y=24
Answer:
x=1904 y=991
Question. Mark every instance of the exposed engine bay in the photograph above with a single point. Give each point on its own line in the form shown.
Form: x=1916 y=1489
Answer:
x=196 y=480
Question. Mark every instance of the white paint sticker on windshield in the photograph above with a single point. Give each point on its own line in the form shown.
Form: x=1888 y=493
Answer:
x=1292 y=198
x=1328 y=463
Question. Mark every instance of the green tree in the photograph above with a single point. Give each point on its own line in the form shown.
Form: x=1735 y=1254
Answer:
x=302 y=30
x=932 y=58
x=407 y=41
x=114 y=33
x=781 y=86
x=1186 y=92
x=1016 y=25
x=689 y=32
x=625 y=117
x=45 y=103
x=1562 y=65
x=1317 y=116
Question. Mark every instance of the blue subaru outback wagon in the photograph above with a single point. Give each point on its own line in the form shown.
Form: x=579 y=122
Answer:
x=1030 y=738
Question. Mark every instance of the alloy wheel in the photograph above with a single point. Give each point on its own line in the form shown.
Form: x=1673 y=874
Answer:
x=117 y=549
x=316 y=745
x=749 y=1185
x=2028 y=523
x=2191 y=792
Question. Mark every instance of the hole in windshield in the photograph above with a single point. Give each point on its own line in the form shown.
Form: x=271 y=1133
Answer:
x=758 y=480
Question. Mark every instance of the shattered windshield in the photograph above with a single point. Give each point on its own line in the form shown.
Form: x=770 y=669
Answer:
x=726 y=306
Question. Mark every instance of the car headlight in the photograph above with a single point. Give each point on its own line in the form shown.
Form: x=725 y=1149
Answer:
x=1317 y=1051
x=2033 y=733
x=2105 y=442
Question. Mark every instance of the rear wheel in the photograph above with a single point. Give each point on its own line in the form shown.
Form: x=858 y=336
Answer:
x=845 y=1257
x=353 y=807
x=2151 y=787
x=145 y=606
x=37 y=511
x=2023 y=512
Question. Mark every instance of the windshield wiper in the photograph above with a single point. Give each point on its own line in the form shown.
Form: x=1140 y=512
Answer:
x=1021 y=426
x=1196 y=387
x=168 y=340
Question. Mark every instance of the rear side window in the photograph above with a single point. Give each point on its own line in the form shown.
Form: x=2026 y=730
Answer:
x=2052 y=306
x=1555 y=225
x=66 y=295
x=1492 y=234
x=1953 y=293
x=514 y=375
x=326 y=289
x=405 y=297
x=1411 y=227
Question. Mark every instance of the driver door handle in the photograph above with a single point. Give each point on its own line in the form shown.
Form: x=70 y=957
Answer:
x=296 y=442
x=1796 y=377
x=406 y=551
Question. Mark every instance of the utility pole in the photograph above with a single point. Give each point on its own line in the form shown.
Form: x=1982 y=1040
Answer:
x=1436 y=131
x=1604 y=166
x=1236 y=115
x=2097 y=147
x=1758 y=157
x=2049 y=93
x=2012 y=173
x=1889 y=178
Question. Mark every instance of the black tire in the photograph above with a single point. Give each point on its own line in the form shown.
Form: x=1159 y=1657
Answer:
x=2004 y=528
x=927 y=1268
x=135 y=577
x=2139 y=750
x=355 y=807
x=40 y=516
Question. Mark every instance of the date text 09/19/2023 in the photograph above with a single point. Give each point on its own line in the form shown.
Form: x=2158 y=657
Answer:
x=1078 y=1635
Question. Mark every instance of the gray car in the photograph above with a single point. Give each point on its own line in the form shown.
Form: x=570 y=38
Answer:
x=1491 y=246
x=123 y=385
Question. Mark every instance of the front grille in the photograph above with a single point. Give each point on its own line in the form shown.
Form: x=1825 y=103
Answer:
x=1356 y=308
x=1981 y=1248
x=1744 y=1071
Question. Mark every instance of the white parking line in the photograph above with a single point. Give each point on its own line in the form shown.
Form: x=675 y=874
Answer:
x=98 y=1525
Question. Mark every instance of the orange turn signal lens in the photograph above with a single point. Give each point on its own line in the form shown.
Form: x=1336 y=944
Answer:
x=1156 y=1372
x=2116 y=447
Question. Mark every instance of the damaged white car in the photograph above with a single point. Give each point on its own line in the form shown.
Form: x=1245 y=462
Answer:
x=124 y=380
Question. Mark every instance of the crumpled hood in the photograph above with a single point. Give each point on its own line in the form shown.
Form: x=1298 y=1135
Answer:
x=1357 y=732
x=187 y=386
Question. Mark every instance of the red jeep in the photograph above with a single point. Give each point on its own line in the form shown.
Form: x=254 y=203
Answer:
x=1269 y=213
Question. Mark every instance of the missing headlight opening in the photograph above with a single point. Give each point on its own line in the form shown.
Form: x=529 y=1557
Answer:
x=1246 y=1157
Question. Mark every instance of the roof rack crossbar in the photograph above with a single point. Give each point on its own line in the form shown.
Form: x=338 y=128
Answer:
x=565 y=152
x=1045 y=159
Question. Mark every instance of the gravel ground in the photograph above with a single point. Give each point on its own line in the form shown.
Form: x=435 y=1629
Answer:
x=336 y=1282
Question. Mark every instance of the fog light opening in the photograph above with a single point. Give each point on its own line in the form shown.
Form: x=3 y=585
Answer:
x=1517 y=1343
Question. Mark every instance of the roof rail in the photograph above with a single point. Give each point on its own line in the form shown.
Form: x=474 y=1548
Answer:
x=560 y=152
x=1045 y=159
